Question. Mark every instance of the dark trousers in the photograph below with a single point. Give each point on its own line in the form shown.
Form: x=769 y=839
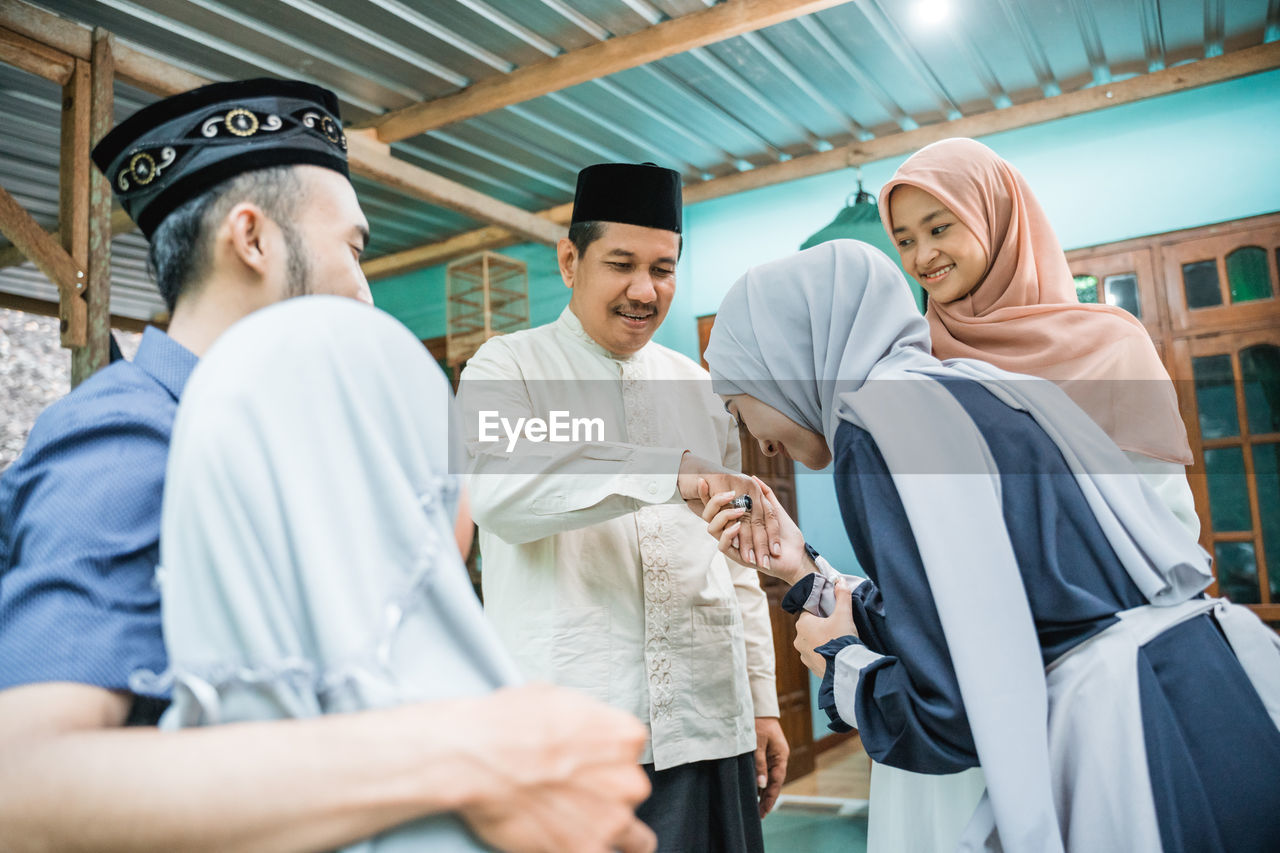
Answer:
x=705 y=807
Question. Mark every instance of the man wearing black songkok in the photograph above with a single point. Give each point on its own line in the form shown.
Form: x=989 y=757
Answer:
x=594 y=572
x=242 y=190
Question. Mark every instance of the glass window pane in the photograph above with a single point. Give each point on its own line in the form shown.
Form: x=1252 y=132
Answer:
x=1247 y=275
x=1215 y=396
x=1228 y=489
x=1200 y=280
x=1122 y=291
x=1260 y=370
x=1237 y=571
x=1087 y=288
x=1266 y=468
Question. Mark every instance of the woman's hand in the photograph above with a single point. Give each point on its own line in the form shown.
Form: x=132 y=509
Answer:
x=724 y=523
x=814 y=631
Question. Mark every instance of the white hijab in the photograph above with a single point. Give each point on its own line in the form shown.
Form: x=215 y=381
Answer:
x=804 y=334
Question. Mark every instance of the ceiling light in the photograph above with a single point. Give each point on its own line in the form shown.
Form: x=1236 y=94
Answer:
x=932 y=11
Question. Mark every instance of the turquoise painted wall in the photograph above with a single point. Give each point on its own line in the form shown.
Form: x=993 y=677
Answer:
x=1179 y=161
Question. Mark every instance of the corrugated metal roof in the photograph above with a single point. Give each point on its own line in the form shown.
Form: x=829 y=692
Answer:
x=857 y=71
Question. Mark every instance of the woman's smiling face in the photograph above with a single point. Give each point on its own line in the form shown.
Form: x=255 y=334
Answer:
x=937 y=249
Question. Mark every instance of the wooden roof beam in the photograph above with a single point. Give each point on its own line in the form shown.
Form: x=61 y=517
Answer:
x=452 y=248
x=373 y=160
x=1229 y=66
x=120 y=224
x=41 y=247
x=73 y=39
x=675 y=36
x=45 y=308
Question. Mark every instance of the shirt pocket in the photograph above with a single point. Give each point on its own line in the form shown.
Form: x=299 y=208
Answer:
x=717 y=661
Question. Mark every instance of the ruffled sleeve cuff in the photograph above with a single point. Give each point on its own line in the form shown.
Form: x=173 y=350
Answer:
x=846 y=658
x=816 y=592
x=798 y=596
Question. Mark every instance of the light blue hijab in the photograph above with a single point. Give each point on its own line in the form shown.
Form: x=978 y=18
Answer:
x=804 y=335
x=309 y=563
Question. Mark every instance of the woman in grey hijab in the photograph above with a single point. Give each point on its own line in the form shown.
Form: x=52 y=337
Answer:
x=1019 y=572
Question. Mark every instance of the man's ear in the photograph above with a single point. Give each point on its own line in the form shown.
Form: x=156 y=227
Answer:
x=567 y=255
x=245 y=230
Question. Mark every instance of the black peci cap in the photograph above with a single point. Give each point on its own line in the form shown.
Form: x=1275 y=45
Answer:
x=175 y=149
x=633 y=194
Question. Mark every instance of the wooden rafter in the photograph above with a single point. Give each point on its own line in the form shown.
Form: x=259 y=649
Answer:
x=491 y=237
x=1229 y=66
x=45 y=308
x=35 y=58
x=120 y=224
x=38 y=245
x=60 y=34
x=372 y=159
x=678 y=35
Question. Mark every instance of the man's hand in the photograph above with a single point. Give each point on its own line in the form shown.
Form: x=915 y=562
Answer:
x=771 y=761
x=759 y=533
x=725 y=525
x=530 y=770
x=814 y=631
x=558 y=775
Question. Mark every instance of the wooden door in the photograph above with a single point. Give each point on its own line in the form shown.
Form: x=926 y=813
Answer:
x=792 y=677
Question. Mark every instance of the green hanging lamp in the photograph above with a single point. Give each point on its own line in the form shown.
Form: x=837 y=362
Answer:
x=859 y=219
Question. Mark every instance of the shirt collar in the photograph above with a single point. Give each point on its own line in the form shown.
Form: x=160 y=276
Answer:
x=569 y=322
x=165 y=360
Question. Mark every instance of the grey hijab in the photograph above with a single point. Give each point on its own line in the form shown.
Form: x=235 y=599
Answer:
x=785 y=332
x=804 y=335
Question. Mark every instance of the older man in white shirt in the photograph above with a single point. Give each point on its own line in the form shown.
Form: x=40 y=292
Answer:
x=595 y=573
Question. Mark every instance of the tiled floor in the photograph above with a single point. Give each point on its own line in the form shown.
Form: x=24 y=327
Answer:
x=825 y=811
x=795 y=830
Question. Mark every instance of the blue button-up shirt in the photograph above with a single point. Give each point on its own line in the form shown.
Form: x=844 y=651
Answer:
x=80 y=526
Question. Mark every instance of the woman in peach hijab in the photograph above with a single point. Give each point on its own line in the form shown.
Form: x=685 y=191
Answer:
x=970 y=231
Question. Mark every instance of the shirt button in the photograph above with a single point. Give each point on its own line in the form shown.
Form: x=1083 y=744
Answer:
x=653 y=488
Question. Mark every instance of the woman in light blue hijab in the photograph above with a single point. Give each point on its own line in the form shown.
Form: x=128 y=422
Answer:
x=309 y=567
x=1019 y=572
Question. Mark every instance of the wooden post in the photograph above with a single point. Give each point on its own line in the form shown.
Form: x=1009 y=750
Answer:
x=97 y=351
x=488 y=296
x=73 y=202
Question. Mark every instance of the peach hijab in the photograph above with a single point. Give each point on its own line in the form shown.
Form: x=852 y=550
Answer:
x=1024 y=316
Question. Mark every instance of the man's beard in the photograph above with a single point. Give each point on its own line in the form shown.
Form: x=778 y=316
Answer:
x=297 y=265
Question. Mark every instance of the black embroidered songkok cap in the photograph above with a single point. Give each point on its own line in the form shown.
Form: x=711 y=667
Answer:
x=633 y=194
x=175 y=149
